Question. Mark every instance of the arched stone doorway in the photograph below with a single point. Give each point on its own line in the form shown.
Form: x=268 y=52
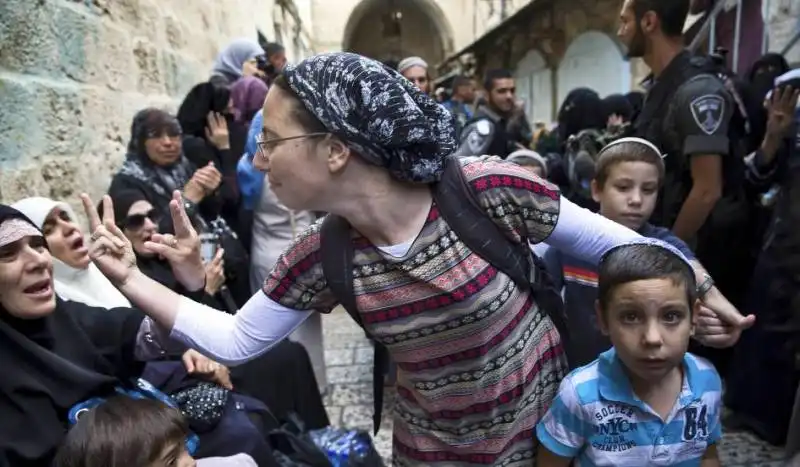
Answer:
x=594 y=60
x=394 y=29
x=534 y=80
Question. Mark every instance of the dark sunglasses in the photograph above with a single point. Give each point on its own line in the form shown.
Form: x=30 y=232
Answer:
x=136 y=221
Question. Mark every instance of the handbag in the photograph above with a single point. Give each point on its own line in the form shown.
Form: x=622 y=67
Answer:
x=202 y=404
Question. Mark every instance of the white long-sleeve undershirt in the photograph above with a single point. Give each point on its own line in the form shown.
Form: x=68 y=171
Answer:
x=262 y=322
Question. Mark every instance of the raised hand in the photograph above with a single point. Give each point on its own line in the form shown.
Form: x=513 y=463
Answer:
x=215 y=273
x=181 y=250
x=217 y=131
x=109 y=249
x=780 y=110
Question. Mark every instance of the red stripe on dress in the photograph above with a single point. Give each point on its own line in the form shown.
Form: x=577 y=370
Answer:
x=507 y=397
x=475 y=352
x=472 y=287
x=488 y=182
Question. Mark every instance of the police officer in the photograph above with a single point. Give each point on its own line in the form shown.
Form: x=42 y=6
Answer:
x=690 y=114
x=499 y=126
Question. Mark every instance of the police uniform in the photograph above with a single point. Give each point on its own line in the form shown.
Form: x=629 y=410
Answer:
x=688 y=111
x=490 y=133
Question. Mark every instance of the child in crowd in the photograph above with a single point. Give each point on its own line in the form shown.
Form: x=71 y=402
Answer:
x=128 y=432
x=646 y=401
x=531 y=160
x=628 y=175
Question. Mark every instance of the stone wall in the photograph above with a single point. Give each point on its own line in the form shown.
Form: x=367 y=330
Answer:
x=74 y=72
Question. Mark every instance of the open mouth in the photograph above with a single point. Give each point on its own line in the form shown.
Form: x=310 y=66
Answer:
x=78 y=244
x=42 y=288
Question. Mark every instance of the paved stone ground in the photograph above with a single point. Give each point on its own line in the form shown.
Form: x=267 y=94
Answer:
x=348 y=355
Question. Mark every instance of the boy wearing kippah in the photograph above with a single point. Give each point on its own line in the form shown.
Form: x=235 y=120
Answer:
x=628 y=175
x=646 y=401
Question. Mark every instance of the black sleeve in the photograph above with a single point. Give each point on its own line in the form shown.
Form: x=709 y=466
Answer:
x=114 y=334
x=703 y=112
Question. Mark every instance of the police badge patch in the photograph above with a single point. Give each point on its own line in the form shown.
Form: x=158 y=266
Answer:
x=708 y=112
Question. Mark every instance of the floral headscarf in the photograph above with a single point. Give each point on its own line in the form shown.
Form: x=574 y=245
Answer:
x=379 y=114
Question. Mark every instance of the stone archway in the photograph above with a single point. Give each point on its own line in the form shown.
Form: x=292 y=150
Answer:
x=594 y=60
x=394 y=29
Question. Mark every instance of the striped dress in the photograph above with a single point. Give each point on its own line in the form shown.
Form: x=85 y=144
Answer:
x=478 y=362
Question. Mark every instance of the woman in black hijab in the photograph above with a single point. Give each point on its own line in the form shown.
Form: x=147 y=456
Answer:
x=288 y=363
x=157 y=164
x=54 y=353
x=210 y=135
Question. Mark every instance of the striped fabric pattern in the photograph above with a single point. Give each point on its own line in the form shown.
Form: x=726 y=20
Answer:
x=597 y=419
x=479 y=363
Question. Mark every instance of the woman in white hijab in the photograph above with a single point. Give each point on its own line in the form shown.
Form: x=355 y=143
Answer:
x=76 y=278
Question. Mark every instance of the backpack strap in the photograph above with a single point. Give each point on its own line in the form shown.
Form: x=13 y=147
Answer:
x=336 y=248
x=461 y=209
x=463 y=213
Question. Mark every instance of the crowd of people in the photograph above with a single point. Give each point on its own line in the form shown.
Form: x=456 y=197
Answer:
x=544 y=317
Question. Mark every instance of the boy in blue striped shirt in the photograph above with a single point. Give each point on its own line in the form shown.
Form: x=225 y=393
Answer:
x=646 y=401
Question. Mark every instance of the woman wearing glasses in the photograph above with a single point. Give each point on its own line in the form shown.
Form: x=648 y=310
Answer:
x=275 y=228
x=479 y=361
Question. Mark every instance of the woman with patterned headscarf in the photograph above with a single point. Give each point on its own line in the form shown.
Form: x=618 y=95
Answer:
x=479 y=361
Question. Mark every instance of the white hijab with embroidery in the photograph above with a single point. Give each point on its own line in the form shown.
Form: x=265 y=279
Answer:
x=88 y=285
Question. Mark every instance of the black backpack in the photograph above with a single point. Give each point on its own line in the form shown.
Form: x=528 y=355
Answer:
x=463 y=213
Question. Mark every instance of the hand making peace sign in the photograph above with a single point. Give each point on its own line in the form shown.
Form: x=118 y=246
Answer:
x=110 y=250
x=113 y=254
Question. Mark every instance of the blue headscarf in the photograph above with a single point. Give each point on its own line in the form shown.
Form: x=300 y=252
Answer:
x=251 y=180
x=229 y=62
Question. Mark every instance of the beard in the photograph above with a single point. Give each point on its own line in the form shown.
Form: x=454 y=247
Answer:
x=638 y=45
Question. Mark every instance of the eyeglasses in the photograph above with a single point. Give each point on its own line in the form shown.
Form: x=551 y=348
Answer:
x=265 y=145
x=136 y=221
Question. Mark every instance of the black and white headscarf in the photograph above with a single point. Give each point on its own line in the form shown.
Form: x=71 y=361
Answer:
x=162 y=180
x=379 y=114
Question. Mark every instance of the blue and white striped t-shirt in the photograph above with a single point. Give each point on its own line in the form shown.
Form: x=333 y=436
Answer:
x=598 y=420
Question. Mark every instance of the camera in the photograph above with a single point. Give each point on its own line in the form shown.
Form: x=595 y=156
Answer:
x=263 y=64
x=209 y=244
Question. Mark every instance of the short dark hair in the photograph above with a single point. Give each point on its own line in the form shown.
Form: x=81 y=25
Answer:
x=272 y=48
x=617 y=153
x=461 y=80
x=642 y=261
x=307 y=120
x=671 y=13
x=122 y=432
x=492 y=75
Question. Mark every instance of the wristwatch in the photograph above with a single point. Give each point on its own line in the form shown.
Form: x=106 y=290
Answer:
x=189 y=207
x=704 y=287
